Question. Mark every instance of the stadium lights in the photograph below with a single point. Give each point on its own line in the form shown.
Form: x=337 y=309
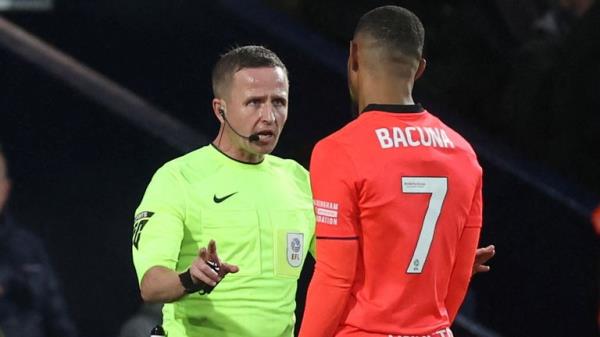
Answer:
x=26 y=5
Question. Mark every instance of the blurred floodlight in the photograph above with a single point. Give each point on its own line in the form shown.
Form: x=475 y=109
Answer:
x=25 y=5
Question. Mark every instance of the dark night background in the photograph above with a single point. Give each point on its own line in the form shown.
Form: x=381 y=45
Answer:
x=527 y=96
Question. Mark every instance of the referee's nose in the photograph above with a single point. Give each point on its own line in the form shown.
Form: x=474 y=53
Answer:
x=267 y=113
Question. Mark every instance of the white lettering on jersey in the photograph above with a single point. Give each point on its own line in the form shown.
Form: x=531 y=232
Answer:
x=436 y=139
x=399 y=137
x=413 y=136
x=411 y=142
x=425 y=137
x=384 y=138
x=447 y=140
x=326 y=212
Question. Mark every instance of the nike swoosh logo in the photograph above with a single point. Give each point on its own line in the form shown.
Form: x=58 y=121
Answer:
x=220 y=200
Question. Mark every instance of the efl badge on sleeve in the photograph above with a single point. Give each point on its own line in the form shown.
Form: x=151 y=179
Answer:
x=295 y=245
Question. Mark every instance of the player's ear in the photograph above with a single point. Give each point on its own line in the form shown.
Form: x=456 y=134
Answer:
x=421 y=68
x=353 y=56
x=352 y=69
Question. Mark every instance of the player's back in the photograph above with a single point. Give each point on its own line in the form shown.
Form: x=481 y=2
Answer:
x=416 y=180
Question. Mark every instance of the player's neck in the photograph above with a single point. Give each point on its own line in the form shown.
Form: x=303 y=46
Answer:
x=385 y=92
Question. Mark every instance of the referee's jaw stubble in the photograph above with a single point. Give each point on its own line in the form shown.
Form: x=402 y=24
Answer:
x=265 y=144
x=237 y=145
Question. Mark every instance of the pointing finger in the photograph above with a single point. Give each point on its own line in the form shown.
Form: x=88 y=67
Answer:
x=228 y=268
x=203 y=254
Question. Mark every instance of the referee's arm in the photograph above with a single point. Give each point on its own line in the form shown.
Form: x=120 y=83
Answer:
x=161 y=285
x=164 y=285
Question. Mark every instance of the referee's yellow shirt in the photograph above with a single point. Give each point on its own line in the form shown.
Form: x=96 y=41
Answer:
x=261 y=217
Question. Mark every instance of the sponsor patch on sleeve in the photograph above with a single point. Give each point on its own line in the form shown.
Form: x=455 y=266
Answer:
x=140 y=221
x=326 y=212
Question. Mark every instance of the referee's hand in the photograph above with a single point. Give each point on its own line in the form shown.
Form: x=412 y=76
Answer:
x=482 y=256
x=201 y=271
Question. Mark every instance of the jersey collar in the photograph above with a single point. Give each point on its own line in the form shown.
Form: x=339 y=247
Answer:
x=395 y=108
x=239 y=161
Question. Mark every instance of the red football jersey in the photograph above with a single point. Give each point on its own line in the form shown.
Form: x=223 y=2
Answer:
x=397 y=198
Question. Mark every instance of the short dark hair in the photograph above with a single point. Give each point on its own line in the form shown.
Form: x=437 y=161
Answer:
x=240 y=58
x=395 y=27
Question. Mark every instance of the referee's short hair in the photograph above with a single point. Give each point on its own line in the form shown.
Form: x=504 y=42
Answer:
x=237 y=59
x=396 y=28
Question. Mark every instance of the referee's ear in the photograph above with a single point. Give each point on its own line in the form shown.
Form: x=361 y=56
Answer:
x=218 y=106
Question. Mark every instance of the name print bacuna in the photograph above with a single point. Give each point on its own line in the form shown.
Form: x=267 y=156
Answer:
x=412 y=136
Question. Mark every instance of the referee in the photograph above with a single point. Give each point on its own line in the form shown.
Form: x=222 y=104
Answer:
x=256 y=207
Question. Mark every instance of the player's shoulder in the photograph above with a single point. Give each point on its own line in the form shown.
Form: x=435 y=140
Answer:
x=458 y=138
x=341 y=138
x=461 y=144
x=341 y=145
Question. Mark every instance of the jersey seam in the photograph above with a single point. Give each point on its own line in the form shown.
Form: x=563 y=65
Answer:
x=328 y=237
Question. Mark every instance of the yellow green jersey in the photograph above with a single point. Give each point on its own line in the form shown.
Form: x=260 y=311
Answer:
x=261 y=217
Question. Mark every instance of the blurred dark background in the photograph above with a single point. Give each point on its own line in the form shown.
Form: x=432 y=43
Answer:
x=521 y=79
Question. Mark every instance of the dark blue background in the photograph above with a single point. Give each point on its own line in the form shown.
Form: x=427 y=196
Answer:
x=79 y=171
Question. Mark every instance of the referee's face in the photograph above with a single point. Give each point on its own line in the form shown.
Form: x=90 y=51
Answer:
x=4 y=183
x=257 y=105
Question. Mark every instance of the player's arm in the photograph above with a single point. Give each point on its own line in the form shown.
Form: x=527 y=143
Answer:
x=336 y=242
x=330 y=287
x=465 y=256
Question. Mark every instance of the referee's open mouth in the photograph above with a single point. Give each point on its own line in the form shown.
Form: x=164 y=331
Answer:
x=265 y=135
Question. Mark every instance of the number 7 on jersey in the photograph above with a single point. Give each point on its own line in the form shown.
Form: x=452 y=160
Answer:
x=437 y=187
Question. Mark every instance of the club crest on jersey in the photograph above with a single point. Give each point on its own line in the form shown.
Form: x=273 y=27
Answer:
x=295 y=245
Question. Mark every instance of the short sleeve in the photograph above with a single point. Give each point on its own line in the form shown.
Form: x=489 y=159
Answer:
x=158 y=223
x=333 y=185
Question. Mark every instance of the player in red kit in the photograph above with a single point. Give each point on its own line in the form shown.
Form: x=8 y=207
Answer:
x=397 y=197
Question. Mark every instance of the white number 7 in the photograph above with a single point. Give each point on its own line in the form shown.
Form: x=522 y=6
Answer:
x=437 y=187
